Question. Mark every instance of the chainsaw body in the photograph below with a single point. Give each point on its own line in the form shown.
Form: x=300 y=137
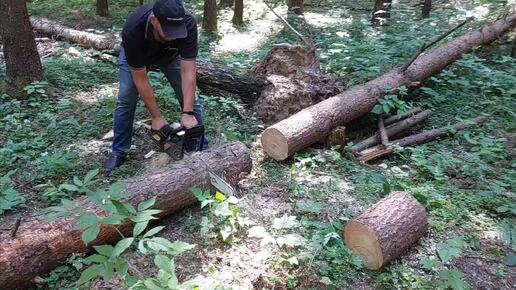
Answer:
x=175 y=139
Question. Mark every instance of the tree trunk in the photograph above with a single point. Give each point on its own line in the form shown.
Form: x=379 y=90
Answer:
x=381 y=12
x=226 y=3
x=392 y=130
x=40 y=246
x=238 y=14
x=209 y=19
x=248 y=87
x=386 y=229
x=416 y=139
x=296 y=6
x=513 y=50
x=314 y=123
x=102 y=8
x=22 y=61
x=427 y=7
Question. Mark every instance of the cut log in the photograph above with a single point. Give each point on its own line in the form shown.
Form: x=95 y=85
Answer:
x=248 y=87
x=386 y=229
x=40 y=246
x=416 y=139
x=314 y=123
x=392 y=130
x=383 y=133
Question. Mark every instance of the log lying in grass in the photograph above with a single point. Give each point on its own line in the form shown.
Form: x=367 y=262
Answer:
x=248 y=87
x=416 y=139
x=314 y=123
x=386 y=229
x=40 y=246
x=392 y=130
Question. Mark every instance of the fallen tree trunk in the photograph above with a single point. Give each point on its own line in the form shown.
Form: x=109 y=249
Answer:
x=392 y=130
x=416 y=139
x=248 y=87
x=386 y=229
x=40 y=246
x=314 y=123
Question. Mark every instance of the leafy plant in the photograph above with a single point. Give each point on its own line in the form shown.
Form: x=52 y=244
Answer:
x=452 y=279
x=36 y=89
x=224 y=215
x=9 y=197
x=391 y=103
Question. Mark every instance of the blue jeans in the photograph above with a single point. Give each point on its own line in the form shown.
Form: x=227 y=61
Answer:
x=128 y=98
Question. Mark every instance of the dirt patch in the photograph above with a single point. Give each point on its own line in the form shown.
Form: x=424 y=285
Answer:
x=482 y=273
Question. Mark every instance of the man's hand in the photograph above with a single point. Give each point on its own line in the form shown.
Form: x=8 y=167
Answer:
x=158 y=123
x=188 y=121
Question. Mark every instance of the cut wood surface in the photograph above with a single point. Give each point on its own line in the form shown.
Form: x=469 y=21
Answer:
x=248 y=87
x=416 y=139
x=392 y=130
x=314 y=123
x=39 y=246
x=386 y=230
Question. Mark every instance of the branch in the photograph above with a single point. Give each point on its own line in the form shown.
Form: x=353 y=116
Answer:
x=288 y=25
x=383 y=133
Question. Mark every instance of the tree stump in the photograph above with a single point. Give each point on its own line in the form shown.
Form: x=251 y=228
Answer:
x=386 y=230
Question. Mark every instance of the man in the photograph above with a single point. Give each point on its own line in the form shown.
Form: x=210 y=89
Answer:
x=165 y=36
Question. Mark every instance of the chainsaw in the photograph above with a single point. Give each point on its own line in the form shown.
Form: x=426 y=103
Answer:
x=175 y=139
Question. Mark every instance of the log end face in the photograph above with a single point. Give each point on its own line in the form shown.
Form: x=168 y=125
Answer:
x=362 y=241
x=275 y=144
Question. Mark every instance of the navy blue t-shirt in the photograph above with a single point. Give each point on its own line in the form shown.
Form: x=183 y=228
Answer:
x=141 y=49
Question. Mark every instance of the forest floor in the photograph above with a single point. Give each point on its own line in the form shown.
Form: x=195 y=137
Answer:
x=466 y=182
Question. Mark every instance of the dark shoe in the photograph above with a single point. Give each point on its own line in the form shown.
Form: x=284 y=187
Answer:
x=113 y=162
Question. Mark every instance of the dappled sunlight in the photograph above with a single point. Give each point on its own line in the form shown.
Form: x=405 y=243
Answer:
x=324 y=19
x=259 y=24
x=91 y=97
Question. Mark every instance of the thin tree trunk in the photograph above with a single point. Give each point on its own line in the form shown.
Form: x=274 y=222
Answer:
x=314 y=123
x=102 y=8
x=427 y=7
x=39 y=246
x=296 y=6
x=209 y=19
x=22 y=61
x=513 y=50
x=381 y=12
x=238 y=16
x=226 y=3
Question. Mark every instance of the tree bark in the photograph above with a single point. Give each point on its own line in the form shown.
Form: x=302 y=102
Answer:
x=40 y=246
x=248 y=87
x=314 y=123
x=416 y=139
x=209 y=19
x=392 y=130
x=22 y=61
x=102 y=8
x=427 y=7
x=226 y=3
x=386 y=229
x=238 y=14
x=296 y=6
x=381 y=12
x=513 y=50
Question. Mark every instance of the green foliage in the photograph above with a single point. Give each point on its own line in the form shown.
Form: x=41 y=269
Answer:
x=392 y=103
x=225 y=216
x=398 y=277
x=36 y=89
x=9 y=197
x=452 y=279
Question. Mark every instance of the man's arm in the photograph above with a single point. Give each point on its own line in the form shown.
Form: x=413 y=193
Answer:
x=141 y=81
x=188 y=84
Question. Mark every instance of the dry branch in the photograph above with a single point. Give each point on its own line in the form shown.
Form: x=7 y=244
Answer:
x=40 y=246
x=420 y=138
x=314 y=123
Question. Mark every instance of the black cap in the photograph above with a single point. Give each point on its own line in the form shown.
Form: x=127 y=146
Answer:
x=171 y=16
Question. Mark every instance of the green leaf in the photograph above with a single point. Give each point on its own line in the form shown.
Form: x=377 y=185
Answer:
x=145 y=215
x=163 y=262
x=69 y=187
x=146 y=204
x=219 y=197
x=153 y=231
x=108 y=272
x=89 y=274
x=284 y=222
x=120 y=207
x=86 y=221
x=139 y=228
x=377 y=109
x=510 y=260
x=121 y=246
x=173 y=283
x=453 y=279
x=121 y=267
x=447 y=252
x=96 y=258
x=309 y=206
x=142 y=248
x=151 y=284
x=90 y=234
x=90 y=175
x=114 y=219
x=105 y=250
x=77 y=181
